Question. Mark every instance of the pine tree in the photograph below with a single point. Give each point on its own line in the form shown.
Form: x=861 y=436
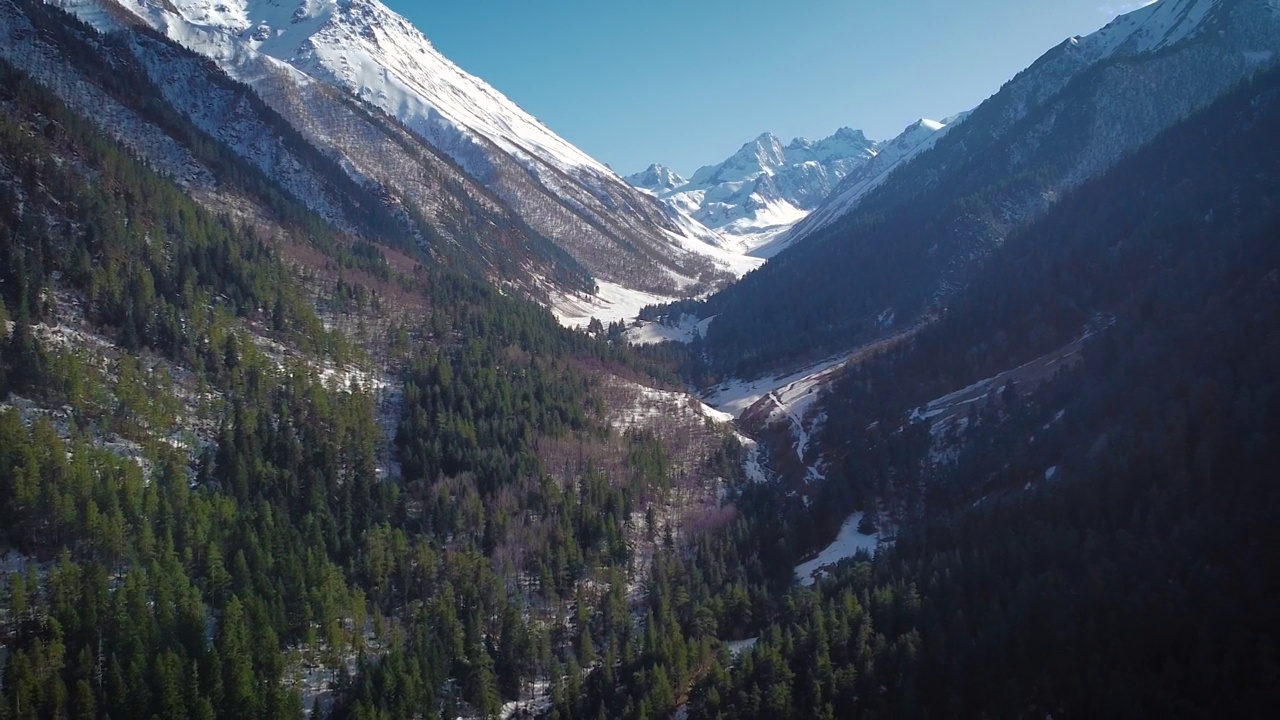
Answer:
x=239 y=699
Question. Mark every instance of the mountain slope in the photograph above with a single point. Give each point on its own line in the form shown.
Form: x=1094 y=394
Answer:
x=764 y=188
x=1100 y=541
x=374 y=57
x=919 y=236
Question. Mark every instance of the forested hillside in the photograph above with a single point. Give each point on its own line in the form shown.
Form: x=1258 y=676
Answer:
x=248 y=469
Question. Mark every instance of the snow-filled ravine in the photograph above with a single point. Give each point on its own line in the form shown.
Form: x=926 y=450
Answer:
x=846 y=545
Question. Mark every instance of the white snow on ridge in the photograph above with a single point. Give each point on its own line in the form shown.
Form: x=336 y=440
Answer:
x=1153 y=26
x=846 y=545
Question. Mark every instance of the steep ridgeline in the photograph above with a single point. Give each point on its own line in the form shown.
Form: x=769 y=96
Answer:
x=764 y=188
x=914 y=240
x=365 y=85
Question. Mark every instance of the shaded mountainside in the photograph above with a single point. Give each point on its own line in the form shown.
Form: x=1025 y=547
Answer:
x=916 y=239
x=1100 y=540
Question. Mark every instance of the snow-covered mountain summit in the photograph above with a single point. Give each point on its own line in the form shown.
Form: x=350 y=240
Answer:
x=657 y=179
x=365 y=47
x=367 y=52
x=763 y=188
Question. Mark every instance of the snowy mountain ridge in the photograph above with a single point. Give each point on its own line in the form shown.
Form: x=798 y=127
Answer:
x=763 y=188
x=286 y=49
x=365 y=47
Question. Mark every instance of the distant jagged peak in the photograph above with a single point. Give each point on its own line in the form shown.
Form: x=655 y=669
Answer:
x=844 y=137
x=766 y=154
x=657 y=178
x=765 y=186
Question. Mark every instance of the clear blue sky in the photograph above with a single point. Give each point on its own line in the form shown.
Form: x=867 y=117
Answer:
x=687 y=82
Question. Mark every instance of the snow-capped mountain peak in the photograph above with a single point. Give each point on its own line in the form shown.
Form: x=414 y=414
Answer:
x=844 y=144
x=657 y=179
x=365 y=47
x=764 y=187
x=762 y=155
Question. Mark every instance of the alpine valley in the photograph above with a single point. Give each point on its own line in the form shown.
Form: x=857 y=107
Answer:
x=333 y=384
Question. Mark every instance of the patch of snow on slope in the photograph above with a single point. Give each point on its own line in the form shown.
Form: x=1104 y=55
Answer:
x=711 y=413
x=651 y=403
x=726 y=257
x=652 y=333
x=611 y=303
x=794 y=403
x=538 y=702
x=751 y=464
x=737 y=396
x=846 y=545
